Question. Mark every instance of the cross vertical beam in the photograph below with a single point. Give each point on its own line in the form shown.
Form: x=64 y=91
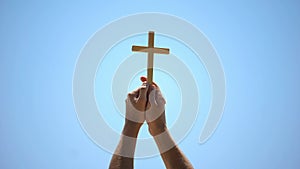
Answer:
x=150 y=58
x=151 y=50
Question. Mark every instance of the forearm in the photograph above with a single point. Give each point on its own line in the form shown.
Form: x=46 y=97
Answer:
x=170 y=153
x=120 y=162
x=174 y=159
x=124 y=153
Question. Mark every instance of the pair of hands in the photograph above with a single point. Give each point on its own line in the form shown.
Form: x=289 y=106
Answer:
x=145 y=104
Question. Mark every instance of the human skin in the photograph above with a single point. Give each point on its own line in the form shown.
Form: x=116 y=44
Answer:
x=147 y=104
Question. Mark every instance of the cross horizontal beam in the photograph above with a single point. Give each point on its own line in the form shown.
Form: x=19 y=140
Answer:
x=150 y=50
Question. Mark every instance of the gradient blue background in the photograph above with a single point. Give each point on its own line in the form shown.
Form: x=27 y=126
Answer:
x=257 y=41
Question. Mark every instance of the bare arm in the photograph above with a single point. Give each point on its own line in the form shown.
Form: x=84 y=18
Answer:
x=172 y=156
x=124 y=154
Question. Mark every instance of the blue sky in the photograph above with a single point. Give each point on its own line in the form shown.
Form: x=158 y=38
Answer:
x=258 y=43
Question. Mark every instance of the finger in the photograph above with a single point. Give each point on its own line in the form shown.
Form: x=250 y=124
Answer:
x=132 y=96
x=144 y=79
x=152 y=97
x=143 y=93
x=134 y=93
x=160 y=100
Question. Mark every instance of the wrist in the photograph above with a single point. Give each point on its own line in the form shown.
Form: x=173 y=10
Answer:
x=155 y=129
x=131 y=129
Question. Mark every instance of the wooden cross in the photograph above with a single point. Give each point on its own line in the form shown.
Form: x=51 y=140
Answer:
x=150 y=49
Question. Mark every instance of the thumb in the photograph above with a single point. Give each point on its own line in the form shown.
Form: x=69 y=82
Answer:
x=132 y=96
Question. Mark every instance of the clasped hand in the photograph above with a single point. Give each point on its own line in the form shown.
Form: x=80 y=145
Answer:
x=145 y=104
